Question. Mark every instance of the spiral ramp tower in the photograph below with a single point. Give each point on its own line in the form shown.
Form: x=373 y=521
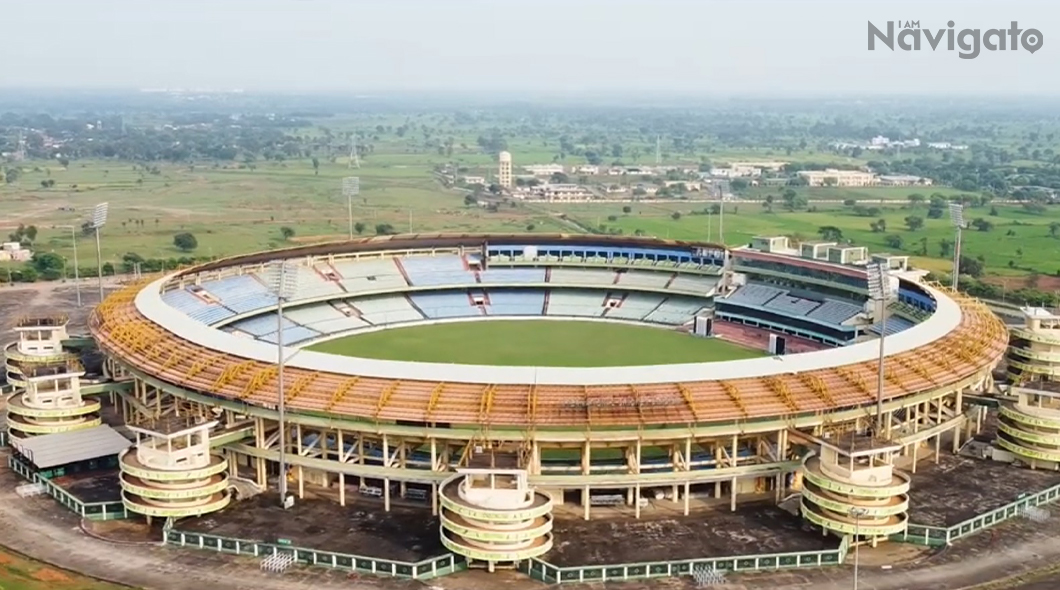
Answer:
x=50 y=401
x=494 y=517
x=1029 y=427
x=40 y=342
x=851 y=488
x=170 y=473
x=1034 y=348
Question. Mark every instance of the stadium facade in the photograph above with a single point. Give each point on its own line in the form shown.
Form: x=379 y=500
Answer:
x=199 y=348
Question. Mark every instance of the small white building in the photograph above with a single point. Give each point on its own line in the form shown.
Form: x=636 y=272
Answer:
x=904 y=180
x=14 y=251
x=471 y=180
x=544 y=169
x=588 y=170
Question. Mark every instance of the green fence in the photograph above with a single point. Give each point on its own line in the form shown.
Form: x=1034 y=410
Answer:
x=550 y=574
x=421 y=570
x=933 y=535
x=89 y=510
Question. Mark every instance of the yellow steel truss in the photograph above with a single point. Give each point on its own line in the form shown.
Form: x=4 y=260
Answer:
x=854 y=378
x=734 y=396
x=198 y=366
x=258 y=380
x=304 y=380
x=436 y=395
x=384 y=396
x=690 y=401
x=485 y=402
x=230 y=373
x=779 y=387
x=340 y=393
x=817 y=386
x=915 y=363
x=531 y=403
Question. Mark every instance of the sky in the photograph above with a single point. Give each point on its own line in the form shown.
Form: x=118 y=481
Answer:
x=767 y=48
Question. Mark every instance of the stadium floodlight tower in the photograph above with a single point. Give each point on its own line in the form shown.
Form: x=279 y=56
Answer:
x=77 y=274
x=881 y=290
x=99 y=219
x=351 y=187
x=857 y=513
x=957 y=217
x=281 y=279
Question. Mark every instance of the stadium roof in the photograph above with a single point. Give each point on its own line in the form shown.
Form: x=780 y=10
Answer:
x=946 y=318
x=52 y=450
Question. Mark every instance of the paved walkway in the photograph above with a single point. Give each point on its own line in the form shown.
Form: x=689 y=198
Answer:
x=50 y=533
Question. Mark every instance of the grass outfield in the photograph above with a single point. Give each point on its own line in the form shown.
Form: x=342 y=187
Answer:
x=537 y=343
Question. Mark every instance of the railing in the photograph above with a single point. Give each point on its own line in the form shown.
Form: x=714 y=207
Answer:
x=421 y=570
x=933 y=535
x=89 y=510
x=550 y=574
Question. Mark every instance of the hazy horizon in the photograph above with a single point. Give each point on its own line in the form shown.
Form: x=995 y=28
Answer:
x=770 y=49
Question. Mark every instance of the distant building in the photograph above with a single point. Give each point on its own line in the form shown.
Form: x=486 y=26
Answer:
x=544 y=169
x=504 y=170
x=844 y=178
x=904 y=180
x=772 y=166
x=735 y=171
x=589 y=170
x=13 y=251
x=559 y=192
x=475 y=179
x=880 y=140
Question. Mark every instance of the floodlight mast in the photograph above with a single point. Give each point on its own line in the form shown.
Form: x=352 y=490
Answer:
x=77 y=276
x=99 y=219
x=880 y=291
x=957 y=217
x=351 y=187
x=281 y=283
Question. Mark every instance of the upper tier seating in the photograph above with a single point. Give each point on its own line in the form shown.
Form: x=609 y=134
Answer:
x=792 y=305
x=436 y=305
x=675 y=311
x=262 y=324
x=894 y=325
x=694 y=284
x=513 y=275
x=387 y=309
x=515 y=302
x=197 y=309
x=311 y=284
x=575 y=303
x=324 y=318
x=834 y=312
x=635 y=306
x=292 y=335
x=571 y=276
x=752 y=294
x=240 y=293
x=655 y=280
x=445 y=269
x=359 y=276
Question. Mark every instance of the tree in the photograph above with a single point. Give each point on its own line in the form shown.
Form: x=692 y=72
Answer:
x=914 y=222
x=676 y=215
x=879 y=226
x=894 y=241
x=287 y=232
x=12 y=175
x=945 y=247
x=44 y=262
x=470 y=200
x=793 y=200
x=316 y=167
x=1054 y=228
x=830 y=233
x=627 y=209
x=982 y=225
x=849 y=202
x=185 y=242
x=970 y=266
x=31 y=233
x=384 y=229
x=530 y=227
x=359 y=227
x=738 y=185
x=993 y=211
x=916 y=199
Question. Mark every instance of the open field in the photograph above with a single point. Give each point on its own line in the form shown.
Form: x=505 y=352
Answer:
x=537 y=343
x=1018 y=235
x=21 y=573
x=236 y=209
